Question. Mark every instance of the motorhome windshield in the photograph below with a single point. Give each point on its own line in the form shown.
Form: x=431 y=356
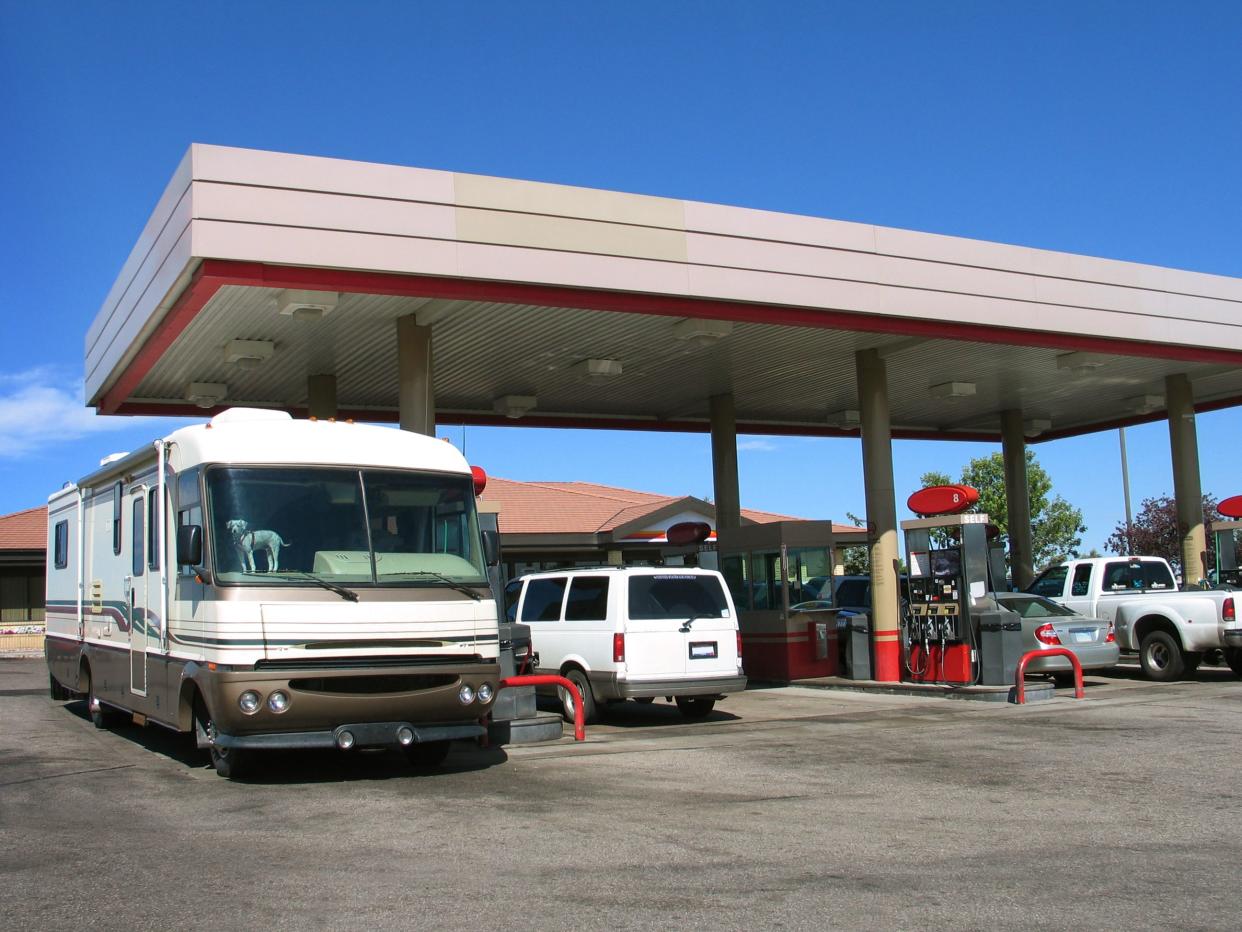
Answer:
x=282 y=525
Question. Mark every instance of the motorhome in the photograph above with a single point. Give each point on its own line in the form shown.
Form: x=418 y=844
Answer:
x=270 y=583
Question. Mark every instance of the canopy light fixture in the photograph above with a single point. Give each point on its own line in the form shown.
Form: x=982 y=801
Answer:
x=1145 y=404
x=206 y=394
x=1034 y=426
x=306 y=305
x=700 y=333
x=513 y=406
x=598 y=370
x=248 y=354
x=848 y=419
x=953 y=390
x=1080 y=363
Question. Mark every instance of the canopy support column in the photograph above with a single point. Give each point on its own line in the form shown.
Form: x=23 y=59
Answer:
x=416 y=398
x=1017 y=500
x=1187 y=490
x=724 y=463
x=877 y=455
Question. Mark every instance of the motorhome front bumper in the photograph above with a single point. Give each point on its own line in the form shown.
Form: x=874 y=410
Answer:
x=319 y=701
x=360 y=735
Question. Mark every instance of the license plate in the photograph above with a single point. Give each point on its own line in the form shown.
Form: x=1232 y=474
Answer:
x=1084 y=637
x=702 y=650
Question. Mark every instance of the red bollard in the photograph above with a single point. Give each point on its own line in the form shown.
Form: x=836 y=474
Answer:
x=549 y=679
x=1020 y=677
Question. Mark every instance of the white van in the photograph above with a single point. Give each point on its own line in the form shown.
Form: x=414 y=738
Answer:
x=633 y=633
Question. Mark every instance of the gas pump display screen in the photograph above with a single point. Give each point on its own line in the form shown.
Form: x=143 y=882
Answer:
x=946 y=563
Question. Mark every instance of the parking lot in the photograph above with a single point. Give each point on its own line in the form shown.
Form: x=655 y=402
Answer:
x=787 y=808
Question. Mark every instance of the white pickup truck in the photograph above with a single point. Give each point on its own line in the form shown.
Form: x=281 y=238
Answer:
x=1170 y=628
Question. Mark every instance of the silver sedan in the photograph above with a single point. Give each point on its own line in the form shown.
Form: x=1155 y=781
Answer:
x=1045 y=624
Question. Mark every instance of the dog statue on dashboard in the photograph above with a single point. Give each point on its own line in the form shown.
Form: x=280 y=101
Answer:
x=247 y=540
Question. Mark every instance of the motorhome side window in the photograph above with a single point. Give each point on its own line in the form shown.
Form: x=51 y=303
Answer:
x=116 y=518
x=189 y=508
x=291 y=525
x=60 y=545
x=155 y=532
x=138 y=533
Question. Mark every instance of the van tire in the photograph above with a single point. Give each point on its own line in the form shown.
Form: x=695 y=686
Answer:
x=695 y=706
x=1160 y=656
x=1233 y=657
x=590 y=713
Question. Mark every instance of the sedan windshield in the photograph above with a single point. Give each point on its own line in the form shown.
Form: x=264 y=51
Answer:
x=349 y=527
x=1034 y=606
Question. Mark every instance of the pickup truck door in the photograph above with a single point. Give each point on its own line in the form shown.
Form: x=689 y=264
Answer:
x=1081 y=587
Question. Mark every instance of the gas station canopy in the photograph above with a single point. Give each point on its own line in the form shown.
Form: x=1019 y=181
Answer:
x=560 y=306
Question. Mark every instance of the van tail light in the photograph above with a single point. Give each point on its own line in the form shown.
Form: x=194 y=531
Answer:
x=739 y=645
x=1046 y=634
x=1111 y=637
x=618 y=648
x=1227 y=610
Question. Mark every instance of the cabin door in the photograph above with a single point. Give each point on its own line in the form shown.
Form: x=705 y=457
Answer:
x=139 y=592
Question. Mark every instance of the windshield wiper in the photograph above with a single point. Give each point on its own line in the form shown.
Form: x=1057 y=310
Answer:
x=447 y=581
x=347 y=594
x=693 y=618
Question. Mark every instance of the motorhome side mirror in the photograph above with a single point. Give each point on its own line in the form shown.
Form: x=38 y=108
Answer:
x=189 y=545
x=491 y=547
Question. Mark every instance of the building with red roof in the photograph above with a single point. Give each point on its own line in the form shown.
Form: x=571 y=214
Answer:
x=23 y=555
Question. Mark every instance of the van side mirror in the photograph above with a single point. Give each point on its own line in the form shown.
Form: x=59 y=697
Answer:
x=189 y=545
x=491 y=547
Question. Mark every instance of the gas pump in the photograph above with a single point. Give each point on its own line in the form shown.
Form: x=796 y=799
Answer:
x=947 y=588
x=1228 y=539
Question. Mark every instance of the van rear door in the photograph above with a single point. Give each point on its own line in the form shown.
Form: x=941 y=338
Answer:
x=679 y=624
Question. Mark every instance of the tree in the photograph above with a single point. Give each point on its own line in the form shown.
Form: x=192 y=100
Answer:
x=1155 y=532
x=1056 y=525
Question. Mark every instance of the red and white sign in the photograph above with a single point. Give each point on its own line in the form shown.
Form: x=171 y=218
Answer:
x=1231 y=507
x=942 y=500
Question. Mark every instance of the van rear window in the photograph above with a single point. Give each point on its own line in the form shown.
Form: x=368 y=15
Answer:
x=677 y=595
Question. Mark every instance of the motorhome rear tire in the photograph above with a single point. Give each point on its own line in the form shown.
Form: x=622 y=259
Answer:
x=101 y=715
x=695 y=706
x=589 y=709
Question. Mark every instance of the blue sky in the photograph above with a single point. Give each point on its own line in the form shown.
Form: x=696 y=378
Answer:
x=1105 y=128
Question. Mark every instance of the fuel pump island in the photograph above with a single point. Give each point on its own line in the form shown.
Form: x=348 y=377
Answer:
x=952 y=631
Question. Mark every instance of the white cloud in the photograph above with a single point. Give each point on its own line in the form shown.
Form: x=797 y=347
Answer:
x=761 y=445
x=36 y=412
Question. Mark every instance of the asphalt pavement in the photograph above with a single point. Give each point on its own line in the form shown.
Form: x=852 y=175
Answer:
x=788 y=808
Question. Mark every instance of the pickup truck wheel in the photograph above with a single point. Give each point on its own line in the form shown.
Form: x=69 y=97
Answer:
x=1233 y=657
x=589 y=712
x=1160 y=656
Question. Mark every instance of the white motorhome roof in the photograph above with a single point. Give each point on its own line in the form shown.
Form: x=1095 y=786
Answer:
x=258 y=437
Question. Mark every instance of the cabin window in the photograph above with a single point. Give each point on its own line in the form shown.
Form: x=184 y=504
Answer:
x=543 y=599
x=116 y=518
x=60 y=545
x=1082 y=579
x=588 y=599
x=154 y=531
x=138 y=535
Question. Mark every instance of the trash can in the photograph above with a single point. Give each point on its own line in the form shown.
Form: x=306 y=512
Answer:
x=857 y=631
x=1000 y=647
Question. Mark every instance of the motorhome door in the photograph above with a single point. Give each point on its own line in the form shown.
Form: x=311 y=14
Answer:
x=140 y=591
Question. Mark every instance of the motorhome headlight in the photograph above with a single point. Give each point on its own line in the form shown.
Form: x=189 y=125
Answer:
x=405 y=734
x=278 y=701
x=485 y=693
x=466 y=694
x=250 y=701
x=345 y=740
